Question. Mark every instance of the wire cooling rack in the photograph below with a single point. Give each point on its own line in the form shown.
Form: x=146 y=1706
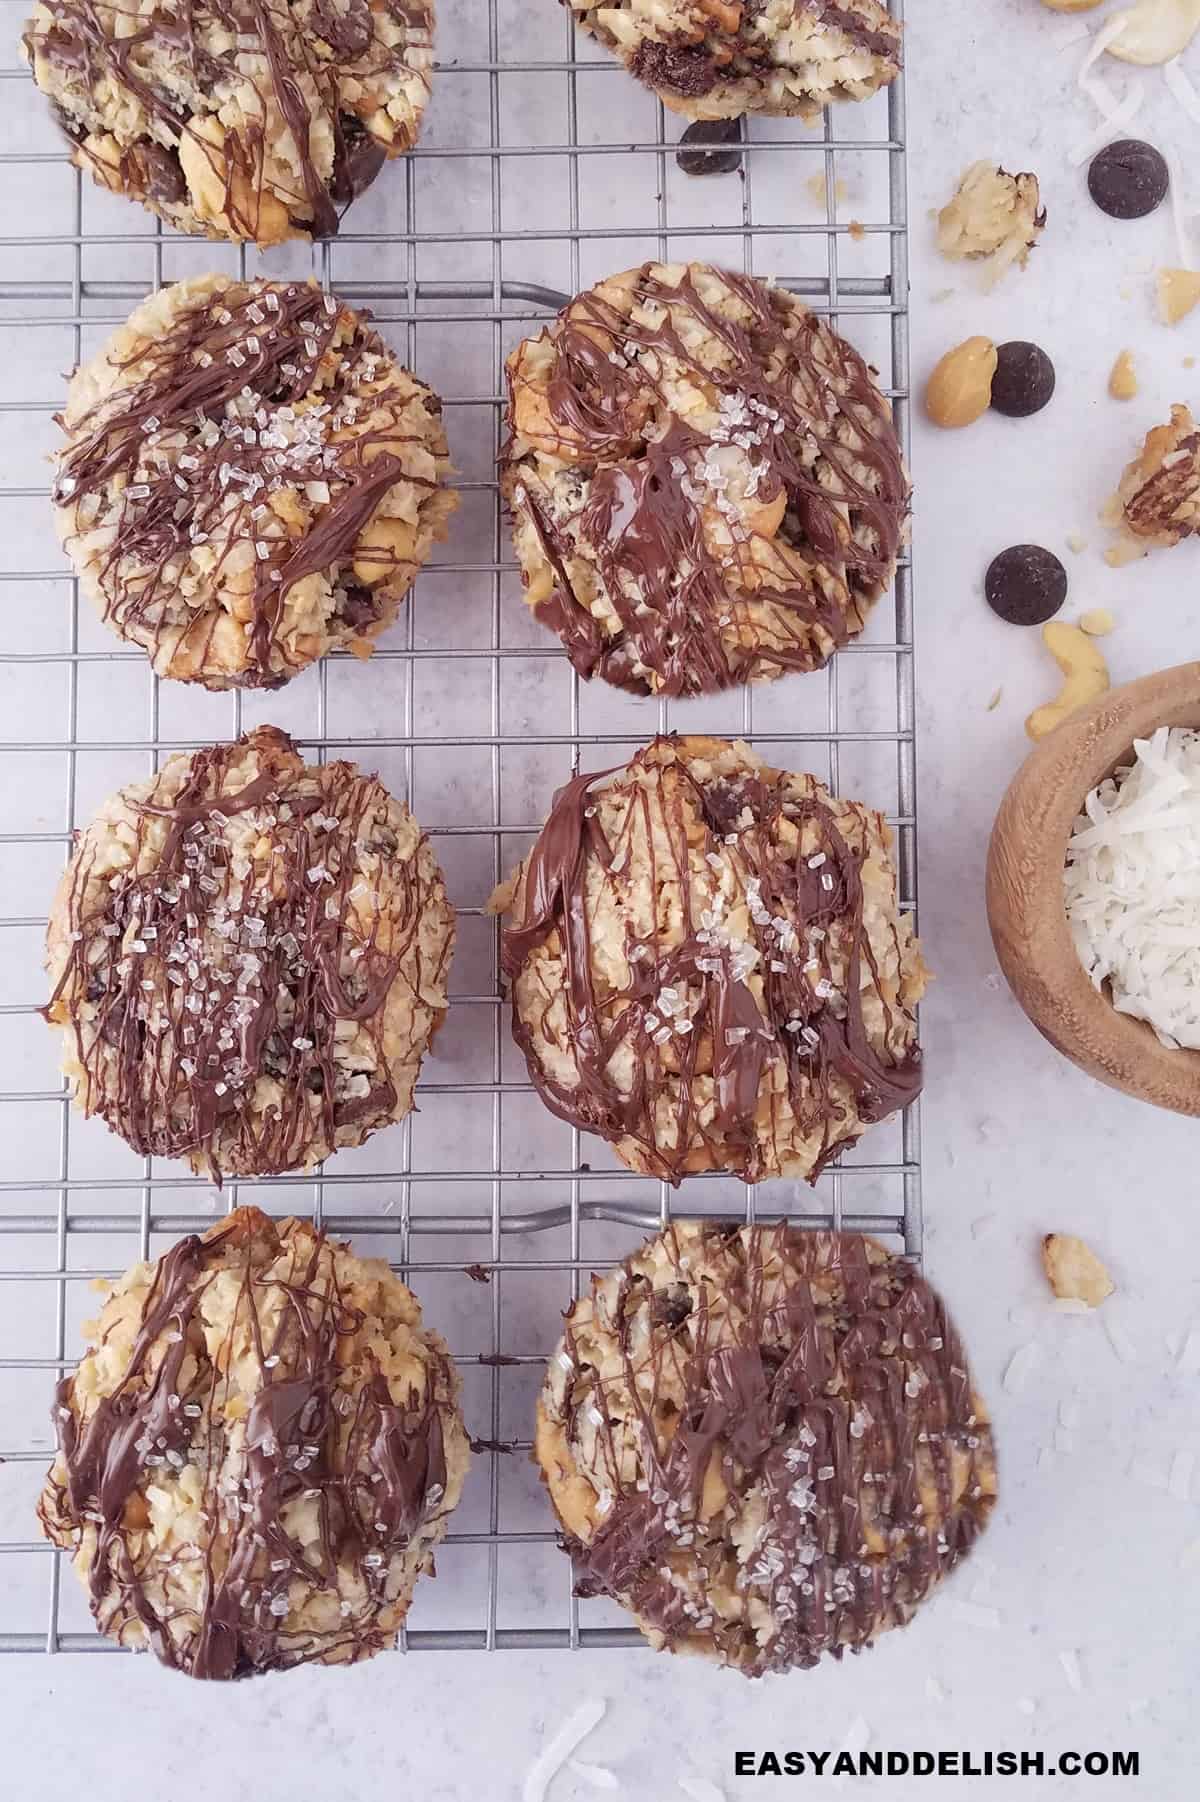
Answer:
x=538 y=173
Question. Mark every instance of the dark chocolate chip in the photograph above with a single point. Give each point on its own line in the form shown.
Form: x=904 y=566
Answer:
x=358 y=606
x=153 y=170
x=686 y=69
x=1128 y=179
x=694 y=159
x=357 y=159
x=1024 y=379
x=1025 y=585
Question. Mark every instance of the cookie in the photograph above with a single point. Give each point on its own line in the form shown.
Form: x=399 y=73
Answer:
x=707 y=965
x=716 y=59
x=249 y=480
x=764 y=1443
x=706 y=485
x=248 y=959
x=258 y=1454
x=253 y=125
x=1158 y=502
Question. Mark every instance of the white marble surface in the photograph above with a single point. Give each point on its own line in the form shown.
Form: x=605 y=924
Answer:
x=1086 y=1554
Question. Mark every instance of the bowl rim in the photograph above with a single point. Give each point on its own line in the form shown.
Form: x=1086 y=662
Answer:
x=1026 y=859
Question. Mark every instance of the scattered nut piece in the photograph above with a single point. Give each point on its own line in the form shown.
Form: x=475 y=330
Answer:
x=993 y=214
x=1073 y=1270
x=960 y=389
x=1071 y=6
x=1098 y=622
x=1189 y=362
x=1085 y=677
x=1158 y=501
x=1123 y=382
x=1178 y=293
x=1154 y=31
x=856 y=230
x=1076 y=542
x=995 y=700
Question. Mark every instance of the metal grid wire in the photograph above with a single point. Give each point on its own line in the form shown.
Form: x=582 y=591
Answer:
x=472 y=715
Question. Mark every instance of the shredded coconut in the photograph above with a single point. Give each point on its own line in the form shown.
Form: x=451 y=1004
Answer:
x=558 y=1750
x=1133 y=886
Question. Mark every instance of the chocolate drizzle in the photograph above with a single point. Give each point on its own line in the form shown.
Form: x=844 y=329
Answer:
x=252 y=441
x=619 y=1024
x=324 y=1427
x=230 y=1001
x=182 y=52
x=787 y=1469
x=705 y=592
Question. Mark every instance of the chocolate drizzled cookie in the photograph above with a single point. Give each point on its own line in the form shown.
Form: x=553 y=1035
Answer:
x=707 y=965
x=259 y=1454
x=712 y=59
x=250 y=480
x=705 y=481
x=764 y=1442
x=248 y=959
x=252 y=120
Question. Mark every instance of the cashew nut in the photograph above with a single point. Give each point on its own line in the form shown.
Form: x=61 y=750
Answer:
x=225 y=196
x=1154 y=31
x=960 y=389
x=384 y=546
x=729 y=17
x=1085 y=672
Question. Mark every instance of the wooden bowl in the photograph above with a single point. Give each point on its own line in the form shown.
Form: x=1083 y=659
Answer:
x=1026 y=908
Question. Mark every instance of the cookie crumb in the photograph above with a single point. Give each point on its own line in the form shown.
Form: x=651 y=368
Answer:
x=818 y=189
x=1073 y=1270
x=1098 y=622
x=1158 y=501
x=1076 y=542
x=992 y=215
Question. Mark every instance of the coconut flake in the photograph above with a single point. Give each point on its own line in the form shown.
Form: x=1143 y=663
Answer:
x=1179 y=1484
x=1120 y=1341
x=1132 y=884
x=1071 y=1671
x=1115 y=114
x=597 y=1775
x=554 y=1755
x=1020 y=1367
x=699 y=1789
x=1180 y=86
x=933 y=1690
